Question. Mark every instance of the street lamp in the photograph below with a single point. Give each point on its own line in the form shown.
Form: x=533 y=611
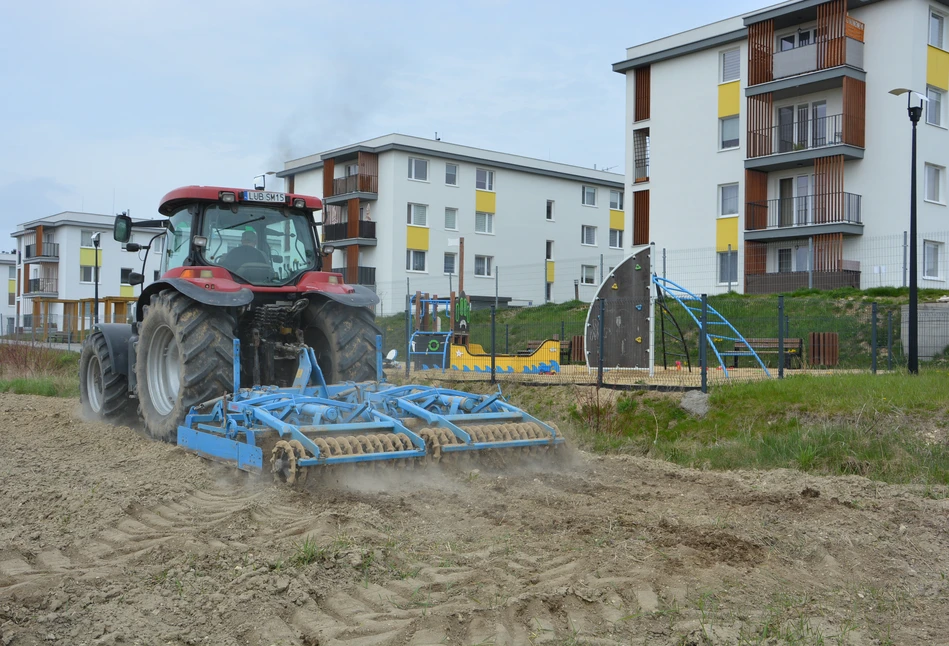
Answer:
x=95 y=300
x=915 y=112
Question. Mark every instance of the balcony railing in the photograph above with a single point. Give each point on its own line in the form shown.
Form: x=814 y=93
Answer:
x=41 y=286
x=791 y=281
x=50 y=250
x=340 y=231
x=807 y=134
x=807 y=210
x=356 y=184
x=818 y=56
x=642 y=170
x=361 y=275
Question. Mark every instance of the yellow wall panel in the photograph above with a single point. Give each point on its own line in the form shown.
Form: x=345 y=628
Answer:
x=11 y=286
x=486 y=202
x=87 y=257
x=617 y=220
x=127 y=291
x=550 y=271
x=726 y=233
x=416 y=238
x=937 y=68
x=729 y=99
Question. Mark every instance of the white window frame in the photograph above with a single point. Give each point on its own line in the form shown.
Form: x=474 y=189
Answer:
x=549 y=250
x=549 y=213
x=410 y=261
x=92 y=274
x=486 y=260
x=447 y=183
x=489 y=223
x=721 y=129
x=412 y=169
x=121 y=271
x=488 y=184
x=928 y=244
x=454 y=263
x=721 y=66
x=584 y=272
x=448 y=228
x=411 y=215
x=618 y=202
x=734 y=253
x=82 y=233
x=942 y=35
x=940 y=101
x=619 y=238
x=721 y=200
x=583 y=195
x=940 y=184
x=583 y=235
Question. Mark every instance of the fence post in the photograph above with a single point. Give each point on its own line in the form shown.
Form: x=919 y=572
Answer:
x=703 y=340
x=663 y=262
x=507 y=338
x=905 y=236
x=562 y=333
x=599 y=360
x=781 y=337
x=408 y=332
x=889 y=340
x=493 y=313
x=729 y=268
x=873 y=337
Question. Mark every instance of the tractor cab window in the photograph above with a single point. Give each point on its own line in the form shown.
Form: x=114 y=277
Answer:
x=261 y=244
x=178 y=239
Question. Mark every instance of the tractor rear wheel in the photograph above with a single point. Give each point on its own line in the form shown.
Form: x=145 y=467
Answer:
x=344 y=340
x=185 y=358
x=103 y=392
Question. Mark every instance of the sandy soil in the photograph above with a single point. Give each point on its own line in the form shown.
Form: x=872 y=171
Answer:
x=107 y=537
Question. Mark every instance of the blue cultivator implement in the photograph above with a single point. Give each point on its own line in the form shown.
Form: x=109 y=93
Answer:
x=312 y=424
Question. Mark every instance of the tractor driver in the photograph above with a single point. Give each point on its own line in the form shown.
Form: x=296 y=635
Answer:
x=244 y=254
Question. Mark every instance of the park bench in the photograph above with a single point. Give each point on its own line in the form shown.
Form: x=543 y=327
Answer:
x=793 y=348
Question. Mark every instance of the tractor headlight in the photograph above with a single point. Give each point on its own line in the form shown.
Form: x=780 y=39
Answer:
x=227 y=196
x=299 y=203
x=200 y=241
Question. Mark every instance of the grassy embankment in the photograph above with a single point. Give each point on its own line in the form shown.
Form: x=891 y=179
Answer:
x=33 y=369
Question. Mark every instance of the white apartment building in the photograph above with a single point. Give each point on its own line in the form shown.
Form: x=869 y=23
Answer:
x=55 y=270
x=775 y=135
x=8 y=304
x=396 y=207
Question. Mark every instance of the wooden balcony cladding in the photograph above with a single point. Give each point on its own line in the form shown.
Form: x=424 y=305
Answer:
x=329 y=167
x=756 y=191
x=756 y=258
x=760 y=52
x=829 y=189
x=640 y=217
x=641 y=109
x=356 y=184
x=829 y=252
x=855 y=110
x=854 y=29
x=760 y=131
x=831 y=34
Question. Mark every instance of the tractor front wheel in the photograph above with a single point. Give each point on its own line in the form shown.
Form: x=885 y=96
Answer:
x=344 y=340
x=184 y=358
x=103 y=392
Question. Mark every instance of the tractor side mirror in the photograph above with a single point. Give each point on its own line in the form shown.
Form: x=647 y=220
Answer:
x=136 y=278
x=122 y=229
x=328 y=249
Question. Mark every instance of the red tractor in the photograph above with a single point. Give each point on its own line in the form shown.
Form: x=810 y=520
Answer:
x=237 y=264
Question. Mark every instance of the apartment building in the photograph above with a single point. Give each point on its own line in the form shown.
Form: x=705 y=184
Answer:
x=8 y=304
x=55 y=270
x=775 y=134
x=396 y=207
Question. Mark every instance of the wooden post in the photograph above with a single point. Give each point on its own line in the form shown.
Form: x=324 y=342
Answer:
x=461 y=266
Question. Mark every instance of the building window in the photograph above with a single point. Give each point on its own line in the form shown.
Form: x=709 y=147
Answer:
x=616 y=200
x=85 y=238
x=728 y=199
x=418 y=169
x=547 y=292
x=550 y=250
x=931 y=251
x=451 y=219
x=415 y=260
x=731 y=65
x=937 y=30
x=588 y=235
x=11 y=298
x=484 y=222
x=157 y=275
x=784 y=261
x=417 y=215
x=728 y=267
x=484 y=179
x=12 y=273
x=934 y=106
x=641 y=154
x=450 y=259
x=483 y=265
x=589 y=196
x=550 y=210
x=86 y=273
x=352 y=170
x=729 y=133
x=616 y=238
x=587 y=274
x=451 y=174
x=934 y=180
x=126 y=272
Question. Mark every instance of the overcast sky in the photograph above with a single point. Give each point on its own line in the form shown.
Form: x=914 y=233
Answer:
x=109 y=104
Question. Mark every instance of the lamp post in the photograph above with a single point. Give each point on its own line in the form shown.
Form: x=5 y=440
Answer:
x=915 y=112
x=95 y=299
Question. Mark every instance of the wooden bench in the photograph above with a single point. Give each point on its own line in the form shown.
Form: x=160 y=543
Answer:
x=793 y=348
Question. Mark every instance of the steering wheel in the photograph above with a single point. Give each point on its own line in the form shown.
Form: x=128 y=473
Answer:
x=256 y=271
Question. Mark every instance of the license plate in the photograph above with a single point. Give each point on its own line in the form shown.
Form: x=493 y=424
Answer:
x=264 y=196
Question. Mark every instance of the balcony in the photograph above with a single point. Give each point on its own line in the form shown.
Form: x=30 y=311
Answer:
x=338 y=233
x=41 y=287
x=361 y=276
x=790 y=281
x=49 y=251
x=360 y=186
x=794 y=217
x=798 y=143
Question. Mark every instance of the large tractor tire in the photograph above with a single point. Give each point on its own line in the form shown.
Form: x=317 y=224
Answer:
x=344 y=340
x=184 y=358
x=103 y=392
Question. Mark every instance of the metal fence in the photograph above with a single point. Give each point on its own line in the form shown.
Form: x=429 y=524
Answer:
x=54 y=329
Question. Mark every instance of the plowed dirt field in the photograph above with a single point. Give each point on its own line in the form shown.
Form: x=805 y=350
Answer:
x=107 y=537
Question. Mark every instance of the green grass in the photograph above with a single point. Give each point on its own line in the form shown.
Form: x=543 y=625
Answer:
x=45 y=386
x=832 y=425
